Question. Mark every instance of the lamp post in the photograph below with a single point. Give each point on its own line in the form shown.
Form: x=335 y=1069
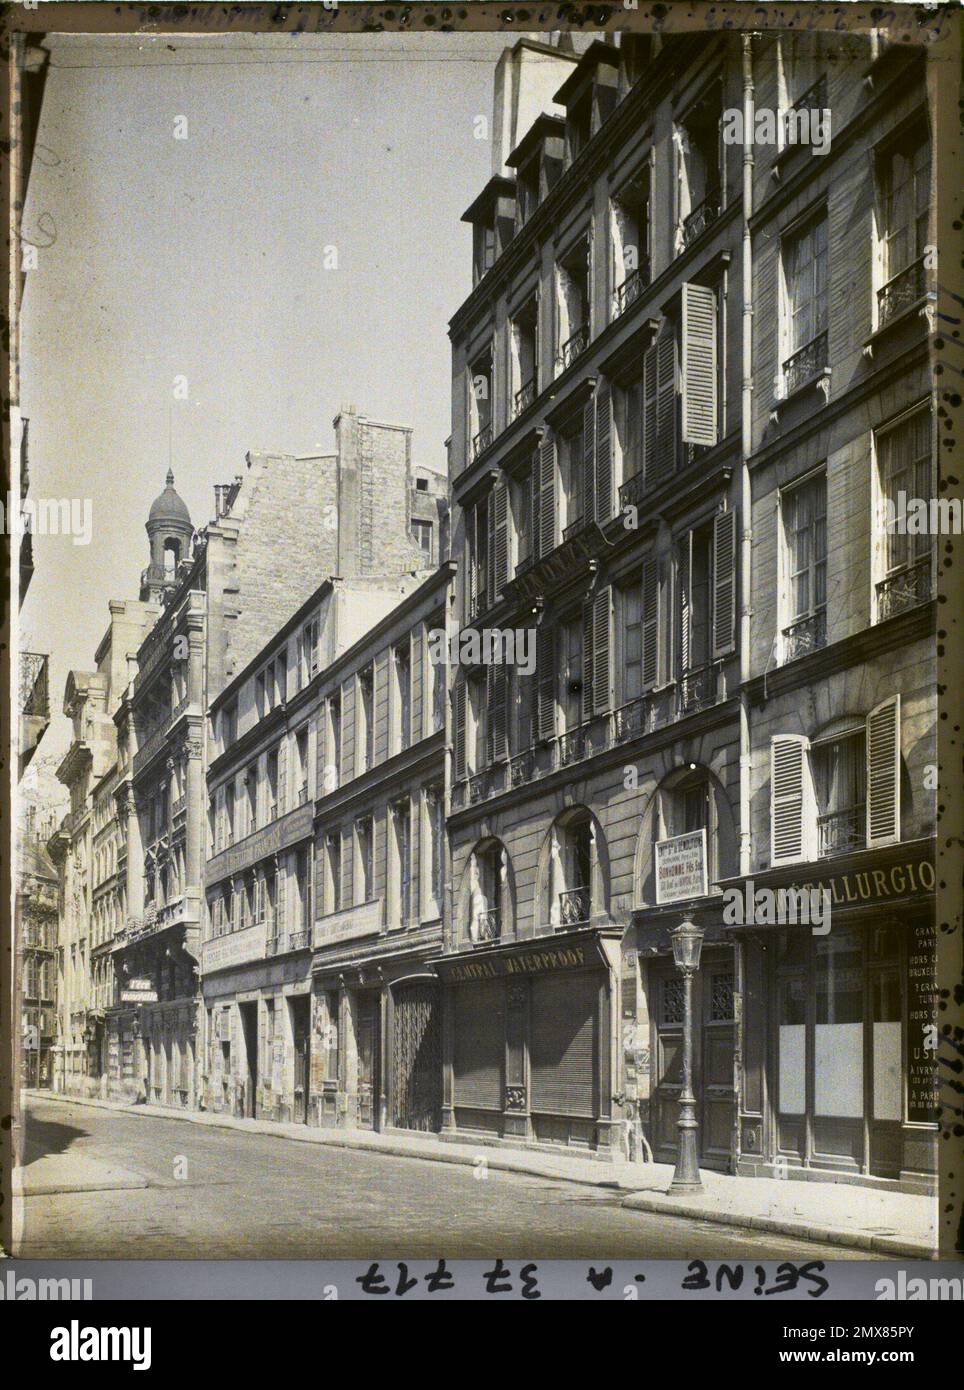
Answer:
x=687 y=941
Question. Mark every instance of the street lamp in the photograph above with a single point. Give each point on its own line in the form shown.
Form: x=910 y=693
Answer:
x=687 y=941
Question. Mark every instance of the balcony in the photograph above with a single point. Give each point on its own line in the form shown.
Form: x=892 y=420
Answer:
x=702 y=216
x=805 y=365
x=482 y=440
x=574 y=745
x=626 y=294
x=524 y=397
x=906 y=589
x=842 y=831
x=805 y=635
x=643 y=715
x=574 y=908
x=697 y=690
x=905 y=289
x=488 y=927
x=522 y=768
x=299 y=940
x=573 y=347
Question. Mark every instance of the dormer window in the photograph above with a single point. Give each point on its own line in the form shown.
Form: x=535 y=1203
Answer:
x=579 y=125
x=528 y=189
x=483 y=249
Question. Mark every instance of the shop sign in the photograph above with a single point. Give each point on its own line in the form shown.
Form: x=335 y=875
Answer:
x=923 y=1096
x=681 y=867
x=235 y=948
x=876 y=885
x=273 y=838
x=139 y=992
x=533 y=962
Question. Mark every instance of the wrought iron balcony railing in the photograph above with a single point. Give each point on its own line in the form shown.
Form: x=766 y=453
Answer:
x=805 y=635
x=697 y=690
x=905 y=589
x=573 y=347
x=574 y=907
x=806 y=364
x=903 y=290
x=842 y=831
x=702 y=216
x=524 y=397
x=482 y=440
x=488 y=926
x=522 y=768
x=626 y=294
x=574 y=745
x=654 y=710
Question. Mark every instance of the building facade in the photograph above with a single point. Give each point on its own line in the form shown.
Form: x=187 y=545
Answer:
x=38 y=900
x=672 y=431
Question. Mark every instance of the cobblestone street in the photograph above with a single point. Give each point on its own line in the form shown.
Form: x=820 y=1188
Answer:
x=214 y=1192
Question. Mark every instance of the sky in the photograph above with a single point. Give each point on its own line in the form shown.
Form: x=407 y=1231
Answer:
x=204 y=258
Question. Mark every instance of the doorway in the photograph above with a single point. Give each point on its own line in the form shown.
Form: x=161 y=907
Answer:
x=249 y=1033
x=367 y=1040
x=416 y=1057
x=300 y=1007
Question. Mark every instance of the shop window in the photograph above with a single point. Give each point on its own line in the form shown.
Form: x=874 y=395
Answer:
x=838 y=1036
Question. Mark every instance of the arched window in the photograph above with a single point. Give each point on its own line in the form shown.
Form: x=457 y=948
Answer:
x=575 y=877
x=488 y=896
x=172 y=556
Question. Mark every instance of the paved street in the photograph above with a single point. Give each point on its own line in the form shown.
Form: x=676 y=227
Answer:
x=213 y=1192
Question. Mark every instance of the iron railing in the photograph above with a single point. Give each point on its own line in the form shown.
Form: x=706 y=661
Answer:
x=842 y=831
x=697 y=690
x=522 y=768
x=488 y=926
x=626 y=294
x=702 y=216
x=574 y=907
x=804 y=635
x=905 y=589
x=573 y=347
x=482 y=440
x=574 y=745
x=34 y=685
x=903 y=290
x=525 y=395
x=806 y=364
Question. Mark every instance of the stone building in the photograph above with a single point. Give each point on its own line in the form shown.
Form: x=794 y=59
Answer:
x=37 y=903
x=687 y=370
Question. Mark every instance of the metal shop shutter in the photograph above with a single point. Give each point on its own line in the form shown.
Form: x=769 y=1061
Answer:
x=479 y=1044
x=563 y=1047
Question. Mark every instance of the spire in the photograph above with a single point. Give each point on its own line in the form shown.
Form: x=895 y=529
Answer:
x=169 y=480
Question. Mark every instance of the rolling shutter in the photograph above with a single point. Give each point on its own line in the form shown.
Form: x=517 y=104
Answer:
x=479 y=1052
x=650 y=622
x=564 y=1043
x=792 y=811
x=545 y=683
x=603 y=455
x=589 y=460
x=699 y=371
x=547 y=496
x=724 y=583
x=458 y=727
x=659 y=408
x=883 y=773
x=499 y=539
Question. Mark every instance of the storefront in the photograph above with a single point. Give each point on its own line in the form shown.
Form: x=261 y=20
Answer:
x=528 y=1041
x=840 y=1024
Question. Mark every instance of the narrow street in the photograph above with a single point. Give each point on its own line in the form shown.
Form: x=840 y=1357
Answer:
x=222 y=1193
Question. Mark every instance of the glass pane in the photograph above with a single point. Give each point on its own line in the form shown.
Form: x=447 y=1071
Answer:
x=838 y=1041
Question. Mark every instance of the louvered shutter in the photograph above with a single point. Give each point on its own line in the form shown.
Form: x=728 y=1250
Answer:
x=547 y=496
x=348 y=729
x=534 y=511
x=699 y=371
x=883 y=773
x=659 y=407
x=650 y=622
x=347 y=868
x=498 y=539
x=588 y=670
x=683 y=602
x=792 y=813
x=546 y=684
x=589 y=460
x=419 y=726
x=497 y=713
x=283 y=776
x=724 y=583
x=458 y=726
x=602 y=651
x=603 y=457
x=281 y=896
x=471 y=594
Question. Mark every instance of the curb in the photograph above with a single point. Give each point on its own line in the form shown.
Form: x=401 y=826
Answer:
x=656 y=1204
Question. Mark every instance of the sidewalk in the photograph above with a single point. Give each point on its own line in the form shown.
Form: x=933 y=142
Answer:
x=854 y=1217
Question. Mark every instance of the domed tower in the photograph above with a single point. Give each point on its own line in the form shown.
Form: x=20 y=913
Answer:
x=170 y=531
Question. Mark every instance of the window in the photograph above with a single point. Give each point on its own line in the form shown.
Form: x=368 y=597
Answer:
x=308 y=651
x=402 y=866
x=572 y=304
x=303 y=889
x=331 y=1035
x=486 y=878
x=435 y=869
x=903 y=198
x=805 y=305
x=301 y=764
x=804 y=510
x=477 y=558
x=423 y=534
x=334 y=740
x=904 y=560
x=436 y=676
x=630 y=222
x=699 y=168
x=527 y=188
x=524 y=335
x=260 y=694
x=229 y=825
x=332 y=867
x=229 y=724
x=572 y=873
x=569 y=693
x=363 y=841
x=480 y=403
x=402 y=713
x=579 y=125
x=271 y=779
x=281 y=678
x=366 y=720
x=840 y=785
x=483 y=249
x=571 y=473
x=270 y=899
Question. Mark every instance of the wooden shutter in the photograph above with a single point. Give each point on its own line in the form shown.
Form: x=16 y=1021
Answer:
x=496 y=713
x=458 y=726
x=603 y=457
x=588 y=670
x=348 y=729
x=883 y=773
x=281 y=896
x=563 y=1048
x=498 y=539
x=547 y=496
x=791 y=799
x=532 y=483
x=546 y=683
x=381 y=673
x=418 y=722
x=649 y=615
x=283 y=776
x=589 y=459
x=683 y=566
x=698 y=369
x=724 y=583
x=601 y=651
x=659 y=408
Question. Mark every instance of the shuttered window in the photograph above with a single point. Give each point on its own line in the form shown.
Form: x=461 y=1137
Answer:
x=498 y=546
x=458 y=727
x=792 y=805
x=603 y=457
x=659 y=408
x=479 y=1053
x=724 y=583
x=589 y=459
x=650 y=622
x=547 y=497
x=497 y=707
x=564 y=1043
x=699 y=372
x=596 y=653
x=545 y=683
x=883 y=773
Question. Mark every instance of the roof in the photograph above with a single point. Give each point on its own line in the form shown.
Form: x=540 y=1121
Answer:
x=169 y=505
